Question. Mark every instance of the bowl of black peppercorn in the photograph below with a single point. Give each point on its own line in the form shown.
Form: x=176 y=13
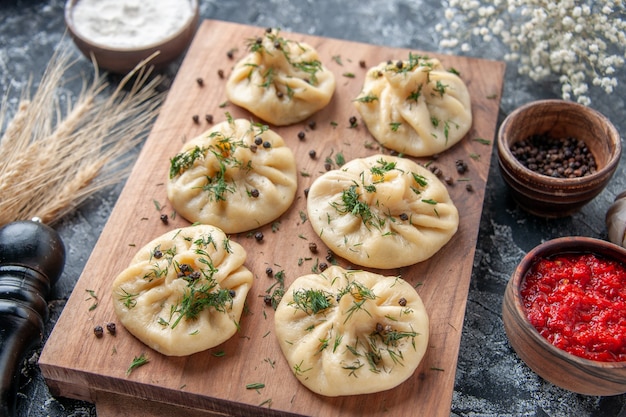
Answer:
x=556 y=156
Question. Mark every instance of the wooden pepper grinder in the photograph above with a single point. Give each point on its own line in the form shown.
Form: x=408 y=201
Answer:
x=32 y=257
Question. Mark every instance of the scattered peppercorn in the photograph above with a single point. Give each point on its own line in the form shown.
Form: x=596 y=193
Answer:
x=164 y=218
x=323 y=266
x=258 y=236
x=111 y=328
x=313 y=247
x=258 y=140
x=200 y=81
x=555 y=157
x=253 y=148
x=353 y=121
x=402 y=301
x=220 y=73
x=436 y=170
x=469 y=187
x=301 y=135
x=98 y=331
x=232 y=293
x=269 y=271
x=306 y=192
x=267 y=299
x=362 y=64
x=327 y=166
x=399 y=64
x=267 y=145
x=404 y=216
x=448 y=180
x=461 y=166
x=312 y=124
x=209 y=118
x=195 y=118
x=312 y=154
x=157 y=254
x=254 y=193
x=230 y=54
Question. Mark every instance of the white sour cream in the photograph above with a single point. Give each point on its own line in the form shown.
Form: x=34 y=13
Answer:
x=130 y=23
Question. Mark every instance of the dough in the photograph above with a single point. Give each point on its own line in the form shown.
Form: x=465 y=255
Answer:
x=237 y=176
x=382 y=212
x=415 y=107
x=184 y=292
x=351 y=332
x=280 y=81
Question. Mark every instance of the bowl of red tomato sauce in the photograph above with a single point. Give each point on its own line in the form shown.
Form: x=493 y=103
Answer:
x=564 y=313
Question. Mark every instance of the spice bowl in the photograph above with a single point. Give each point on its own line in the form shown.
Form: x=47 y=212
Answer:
x=119 y=36
x=547 y=194
x=571 y=371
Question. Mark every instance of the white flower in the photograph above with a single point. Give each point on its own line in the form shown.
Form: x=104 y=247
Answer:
x=579 y=41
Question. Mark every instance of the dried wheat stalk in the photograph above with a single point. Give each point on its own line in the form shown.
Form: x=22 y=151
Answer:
x=54 y=158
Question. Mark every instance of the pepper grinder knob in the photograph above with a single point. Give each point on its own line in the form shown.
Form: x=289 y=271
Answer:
x=32 y=258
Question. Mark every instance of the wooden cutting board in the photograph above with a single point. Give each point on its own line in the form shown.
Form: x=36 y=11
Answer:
x=76 y=364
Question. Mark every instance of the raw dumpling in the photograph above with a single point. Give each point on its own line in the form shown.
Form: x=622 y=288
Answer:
x=281 y=81
x=351 y=332
x=184 y=292
x=382 y=212
x=415 y=107
x=237 y=176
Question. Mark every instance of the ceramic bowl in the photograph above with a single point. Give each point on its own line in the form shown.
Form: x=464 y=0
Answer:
x=555 y=365
x=543 y=195
x=122 y=59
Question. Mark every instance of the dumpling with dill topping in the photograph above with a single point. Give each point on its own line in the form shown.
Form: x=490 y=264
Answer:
x=280 y=80
x=415 y=107
x=382 y=211
x=351 y=332
x=237 y=176
x=184 y=292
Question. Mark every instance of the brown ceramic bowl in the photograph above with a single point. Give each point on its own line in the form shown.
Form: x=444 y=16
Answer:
x=555 y=365
x=543 y=195
x=120 y=59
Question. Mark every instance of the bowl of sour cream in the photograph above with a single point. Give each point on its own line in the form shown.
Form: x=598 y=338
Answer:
x=120 y=34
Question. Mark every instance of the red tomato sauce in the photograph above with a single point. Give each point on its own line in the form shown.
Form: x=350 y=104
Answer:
x=578 y=303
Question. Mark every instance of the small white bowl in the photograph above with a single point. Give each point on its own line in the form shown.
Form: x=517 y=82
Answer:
x=122 y=59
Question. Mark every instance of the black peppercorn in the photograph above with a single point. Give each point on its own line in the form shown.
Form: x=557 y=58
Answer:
x=200 y=81
x=220 y=73
x=164 y=218
x=402 y=301
x=301 y=135
x=232 y=293
x=254 y=193
x=269 y=271
x=313 y=247
x=323 y=266
x=258 y=140
x=312 y=125
x=111 y=328
x=157 y=254
x=312 y=154
x=208 y=118
x=195 y=118
x=267 y=145
x=258 y=236
x=98 y=331
x=404 y=216
x=353 y=121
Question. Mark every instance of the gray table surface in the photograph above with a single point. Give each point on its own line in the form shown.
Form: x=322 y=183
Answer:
x=491 y=380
